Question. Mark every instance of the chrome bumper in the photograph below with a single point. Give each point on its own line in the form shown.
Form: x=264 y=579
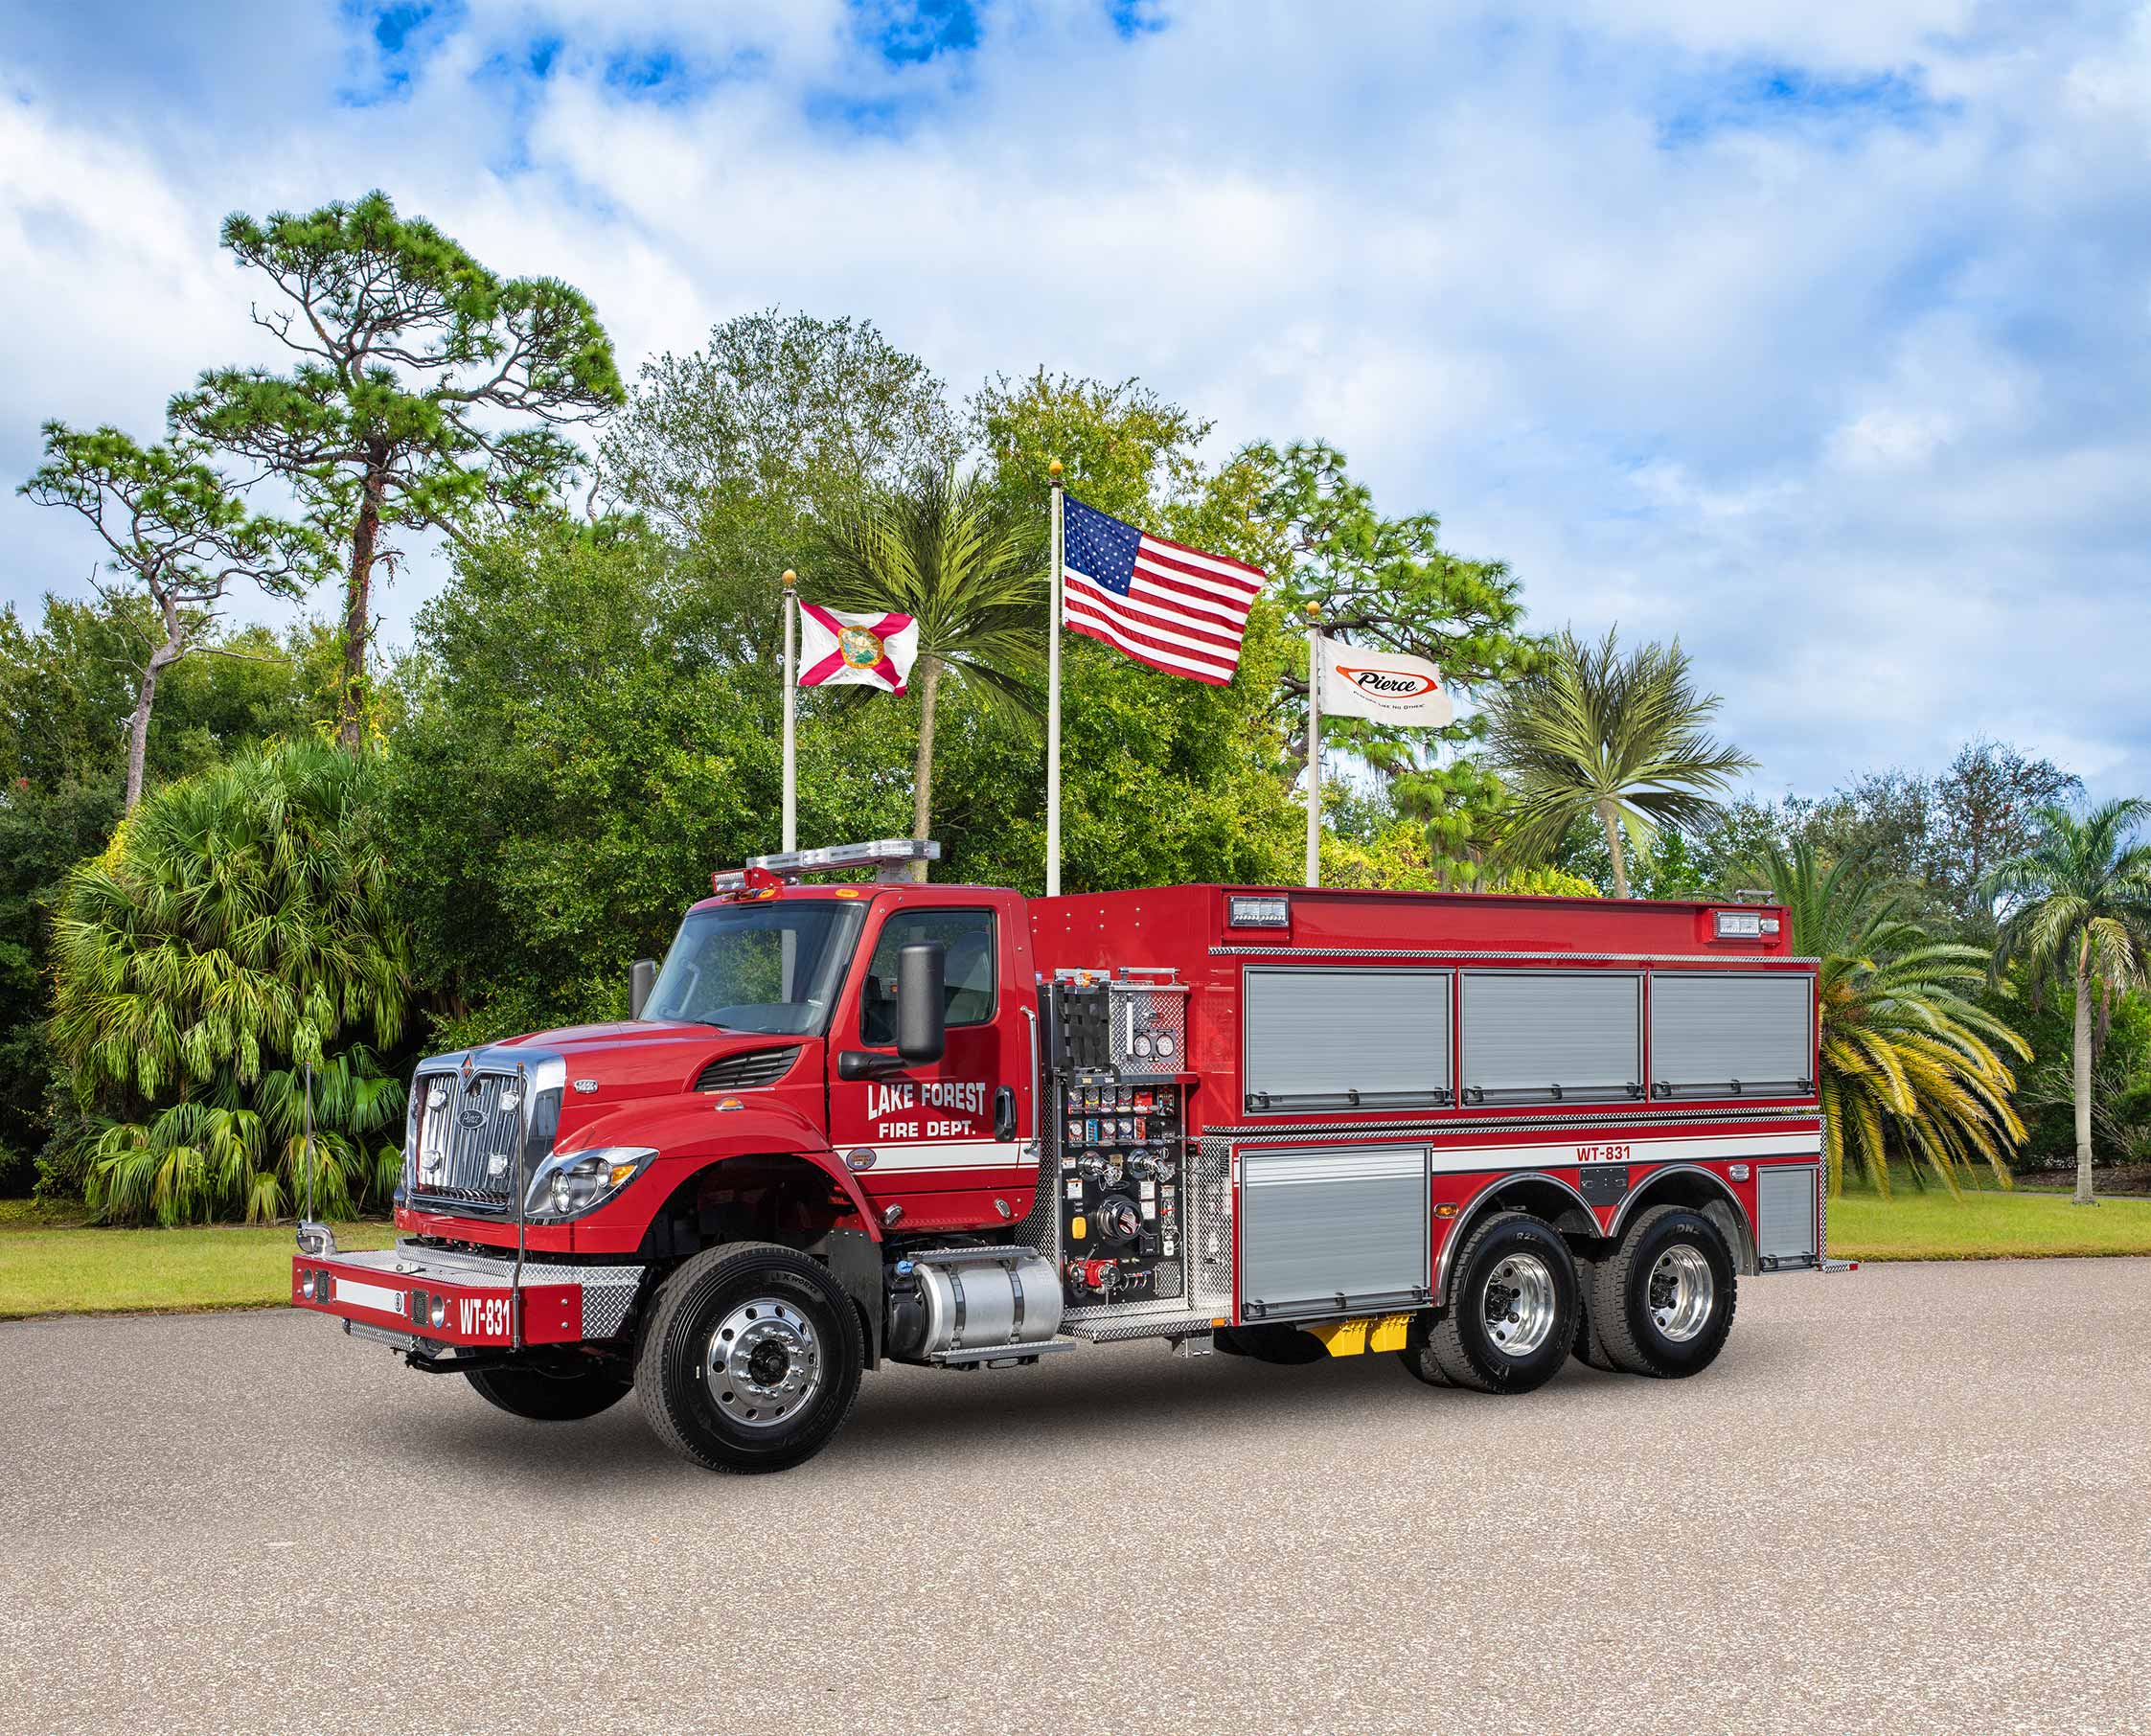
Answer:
x=437 y=1298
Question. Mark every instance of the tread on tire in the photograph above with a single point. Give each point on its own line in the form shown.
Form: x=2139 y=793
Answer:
x=1621 y=1300
x=671 y=1373
x=1457 y=1348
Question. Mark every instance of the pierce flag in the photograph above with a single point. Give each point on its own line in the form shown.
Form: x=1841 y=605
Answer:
x=838 y=647
x=1387 y=687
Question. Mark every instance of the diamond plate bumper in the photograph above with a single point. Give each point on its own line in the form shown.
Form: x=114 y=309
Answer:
x=466 y=1299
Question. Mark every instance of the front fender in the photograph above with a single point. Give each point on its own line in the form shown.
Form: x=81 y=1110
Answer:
x=690 y=1134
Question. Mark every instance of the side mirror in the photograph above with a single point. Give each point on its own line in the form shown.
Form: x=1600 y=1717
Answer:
x=642 y=978
x=921 y=1014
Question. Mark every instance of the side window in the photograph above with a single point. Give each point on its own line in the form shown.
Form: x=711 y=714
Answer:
x=966 y=940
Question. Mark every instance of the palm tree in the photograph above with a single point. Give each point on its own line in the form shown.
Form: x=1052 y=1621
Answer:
x=2079 y=908
x=1908 y=1058
x=943 y=551
x=1623 y=738
x=236 y=931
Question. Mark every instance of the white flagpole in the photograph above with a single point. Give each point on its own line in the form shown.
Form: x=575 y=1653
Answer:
x=1053 y=703
x=1313 y=744
x=790 y=711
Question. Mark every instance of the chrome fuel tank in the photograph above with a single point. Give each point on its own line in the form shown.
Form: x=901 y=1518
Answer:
x=974 y=1304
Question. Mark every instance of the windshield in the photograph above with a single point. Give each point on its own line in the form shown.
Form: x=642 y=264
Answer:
x=773 y=966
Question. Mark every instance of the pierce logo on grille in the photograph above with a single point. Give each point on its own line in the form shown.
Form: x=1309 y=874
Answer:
x=471 y=1117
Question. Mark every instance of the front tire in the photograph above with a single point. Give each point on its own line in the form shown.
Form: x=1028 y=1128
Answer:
x=1512 y=1313
x=1662 y=1303
x=751 y=1358
x=548 y=1395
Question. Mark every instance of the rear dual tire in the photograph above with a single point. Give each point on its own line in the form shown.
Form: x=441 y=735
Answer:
x=1512 y=1315
x=1661 y=1303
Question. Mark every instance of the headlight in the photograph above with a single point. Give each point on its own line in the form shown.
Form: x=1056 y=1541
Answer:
x=569 y=1184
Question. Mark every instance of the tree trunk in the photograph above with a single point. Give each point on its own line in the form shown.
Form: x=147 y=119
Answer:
x=358 y=596
x=173 y=648
x=2084 y=1084
x=922 y=773
x=1608 y=817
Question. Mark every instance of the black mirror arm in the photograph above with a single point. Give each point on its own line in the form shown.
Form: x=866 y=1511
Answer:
x=866 y=1063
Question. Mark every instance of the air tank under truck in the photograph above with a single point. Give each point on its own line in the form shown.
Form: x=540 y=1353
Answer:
x=855 y=1122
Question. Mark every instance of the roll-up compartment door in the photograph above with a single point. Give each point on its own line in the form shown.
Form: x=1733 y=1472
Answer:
x=1549 y=1036
x=1332 y=1223
x=1724 y=1032
x=1787 y=1215
x=1339 y=1037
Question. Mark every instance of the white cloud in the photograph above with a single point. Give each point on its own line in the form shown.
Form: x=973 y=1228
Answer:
x=1814 y=334
x=1890 y=439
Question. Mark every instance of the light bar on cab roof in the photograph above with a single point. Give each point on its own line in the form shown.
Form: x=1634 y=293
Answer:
x=887 y=857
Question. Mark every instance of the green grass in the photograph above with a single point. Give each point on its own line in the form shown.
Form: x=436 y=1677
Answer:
x=1986 y=1224
x=52 y=1264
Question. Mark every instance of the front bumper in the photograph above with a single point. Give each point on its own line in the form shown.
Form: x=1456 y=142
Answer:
x=433 y=1298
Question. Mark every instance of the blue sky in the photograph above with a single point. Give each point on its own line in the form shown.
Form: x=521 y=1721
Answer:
x=1820 y=335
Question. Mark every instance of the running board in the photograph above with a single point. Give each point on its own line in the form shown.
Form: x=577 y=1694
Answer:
x=999 y=1353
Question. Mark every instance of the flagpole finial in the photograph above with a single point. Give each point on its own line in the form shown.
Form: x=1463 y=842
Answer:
x=1314 y=611
x=1053 y=468
x=791 y=577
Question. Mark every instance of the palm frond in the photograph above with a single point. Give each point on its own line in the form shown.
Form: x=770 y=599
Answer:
x=1909 y=1062
x=1594 y=730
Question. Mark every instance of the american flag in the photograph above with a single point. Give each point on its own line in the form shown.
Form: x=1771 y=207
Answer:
x=1164 y=603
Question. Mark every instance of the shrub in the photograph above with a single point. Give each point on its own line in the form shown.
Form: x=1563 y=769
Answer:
x=238 y=929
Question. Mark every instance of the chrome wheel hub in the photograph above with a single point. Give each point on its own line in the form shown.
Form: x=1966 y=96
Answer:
x=1518 y=1304
x=764 y=1362
x=1682 y=1292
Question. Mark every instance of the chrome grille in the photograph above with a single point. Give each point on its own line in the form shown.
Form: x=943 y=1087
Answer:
x=468 y=1142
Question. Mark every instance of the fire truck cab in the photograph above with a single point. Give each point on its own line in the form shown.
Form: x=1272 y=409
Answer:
x=893 y=1120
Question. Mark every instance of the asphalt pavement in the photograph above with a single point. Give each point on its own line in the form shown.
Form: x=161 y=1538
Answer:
x=1913 y=1498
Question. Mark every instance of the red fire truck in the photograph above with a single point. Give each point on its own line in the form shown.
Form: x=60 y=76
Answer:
x=891 y=1121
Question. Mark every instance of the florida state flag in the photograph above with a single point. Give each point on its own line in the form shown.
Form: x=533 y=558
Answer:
x=839 y=649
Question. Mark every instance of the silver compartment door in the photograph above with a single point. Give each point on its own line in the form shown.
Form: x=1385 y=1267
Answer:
x=1711 y=1029
x=1526 y=1032
x=1344 y=1037
x=1785 y=1212
x=1330 y=1222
